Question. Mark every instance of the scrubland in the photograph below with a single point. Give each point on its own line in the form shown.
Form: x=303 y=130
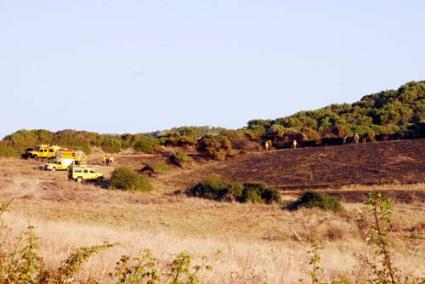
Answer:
x=244 y=243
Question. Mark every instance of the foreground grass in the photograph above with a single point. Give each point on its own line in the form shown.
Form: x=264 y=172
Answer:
x=249 y=257
x=246 y=243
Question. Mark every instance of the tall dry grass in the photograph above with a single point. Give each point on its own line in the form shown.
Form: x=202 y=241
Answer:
x=233 y=260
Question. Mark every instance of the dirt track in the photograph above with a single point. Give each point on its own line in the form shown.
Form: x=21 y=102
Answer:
x=326 y=167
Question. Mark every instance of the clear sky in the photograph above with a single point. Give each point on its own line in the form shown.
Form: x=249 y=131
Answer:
x=117 y=66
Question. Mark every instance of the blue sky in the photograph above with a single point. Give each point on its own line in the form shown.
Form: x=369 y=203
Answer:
x=136 y=66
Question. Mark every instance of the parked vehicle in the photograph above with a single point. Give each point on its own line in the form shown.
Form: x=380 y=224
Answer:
x=83 y=173
x=43 y=151
x=59 y=165
x=78 y=156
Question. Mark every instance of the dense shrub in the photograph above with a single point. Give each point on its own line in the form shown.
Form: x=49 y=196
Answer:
x=7 y=150
x=385 y=113
x=240 y=140
x=180 y=159
x=217 y=189
x=124 y=178
x=258 y=193
x=111 y=144
x=178 y=140
x=216 y=147
x=222 y=190
x=146 y=144
x=322 y=200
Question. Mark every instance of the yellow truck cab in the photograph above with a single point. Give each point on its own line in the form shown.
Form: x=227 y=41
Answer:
x=42 y=152
x=82 y=173
x=59 y=165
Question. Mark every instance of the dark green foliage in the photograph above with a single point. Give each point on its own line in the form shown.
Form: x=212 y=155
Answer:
x=222 y=190
x=216 y=147
x=258 y=193
x=313 y=199
x=124 y=178
x=392 y=114
x=385 y=115
x=216 y=189
x=180 y=159
x=146 y=144
x=186 y=136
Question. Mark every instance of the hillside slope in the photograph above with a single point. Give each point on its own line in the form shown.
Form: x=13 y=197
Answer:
x=324 y=167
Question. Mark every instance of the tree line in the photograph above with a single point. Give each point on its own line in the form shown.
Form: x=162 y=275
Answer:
x=387 y=115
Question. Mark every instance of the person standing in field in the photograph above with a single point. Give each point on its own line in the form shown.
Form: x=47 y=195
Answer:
x=356 y=138
x=294 y=144
x=266 y=145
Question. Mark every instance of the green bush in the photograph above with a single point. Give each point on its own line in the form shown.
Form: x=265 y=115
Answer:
x=222 y=190
x=313 y=199
x=124 y=178
x=216 y=189
x=7 y=150
x=216 y=147
x=111 y=144
x=180 y=159
x=146 y=144
x=159 y=167
x=259 y=193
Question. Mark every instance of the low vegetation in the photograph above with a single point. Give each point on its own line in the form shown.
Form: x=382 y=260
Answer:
x=222 y=190
x=216 y=147
x=148 y=269
x=124 y=178
x=379 y=267
x=180 y=159
x=156 y=168
x=21 y=264
x=7 y=150
x=321 y=200
x=146 y=144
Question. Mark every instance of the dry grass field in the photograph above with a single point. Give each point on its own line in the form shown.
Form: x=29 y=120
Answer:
x=245 y=243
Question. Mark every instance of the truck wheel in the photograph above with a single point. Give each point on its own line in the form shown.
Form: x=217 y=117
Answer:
x=80 y=179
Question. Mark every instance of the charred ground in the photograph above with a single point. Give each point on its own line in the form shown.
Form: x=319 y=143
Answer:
x=391 y=162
